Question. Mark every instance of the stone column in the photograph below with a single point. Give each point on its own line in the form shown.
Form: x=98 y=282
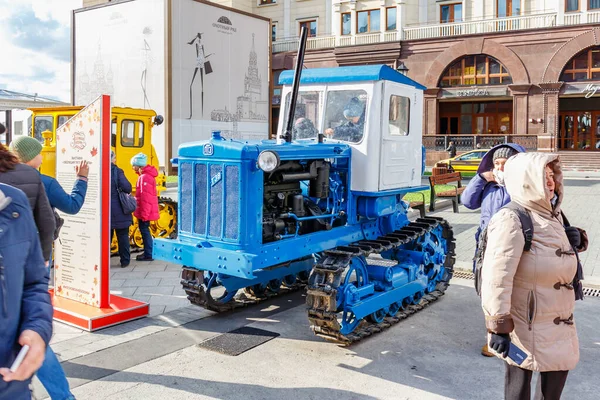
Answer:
x=353 y=20
x=328 y=19
x=289 y=30
x=400 y=18
x=520 y=95
x=336 y=27
x=382 y=20
x=430 y=111
x=423 y=11
x=548 y=141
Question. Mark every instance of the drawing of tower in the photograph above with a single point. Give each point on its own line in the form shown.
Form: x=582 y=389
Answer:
x=247 y=107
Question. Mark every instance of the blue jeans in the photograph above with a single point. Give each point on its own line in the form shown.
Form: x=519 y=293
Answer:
x=53 y=377
x=146 y=237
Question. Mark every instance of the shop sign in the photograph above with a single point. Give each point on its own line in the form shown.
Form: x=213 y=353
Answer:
x=590 y=90
x=474 y=92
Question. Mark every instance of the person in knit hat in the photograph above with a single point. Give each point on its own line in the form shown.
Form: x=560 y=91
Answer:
x=28 y=149
x=486 y=190
x=147 y=201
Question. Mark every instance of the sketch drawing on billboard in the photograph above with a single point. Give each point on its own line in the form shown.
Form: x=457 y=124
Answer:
x=147 y=57
x=234 y=97
x=202 y=65
x=249 y=104
x=100 y=83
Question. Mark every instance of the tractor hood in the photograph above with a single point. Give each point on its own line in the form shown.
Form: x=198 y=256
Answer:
x=231 y=149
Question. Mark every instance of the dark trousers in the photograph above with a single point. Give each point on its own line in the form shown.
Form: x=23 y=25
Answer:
x=517 y=384
x=146 y=237
x=123 y=241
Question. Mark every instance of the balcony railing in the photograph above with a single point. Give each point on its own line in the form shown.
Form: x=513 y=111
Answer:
x=532 y=21
x=471 y=142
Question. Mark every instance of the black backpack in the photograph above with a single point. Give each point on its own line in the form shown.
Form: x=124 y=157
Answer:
x=527 y=228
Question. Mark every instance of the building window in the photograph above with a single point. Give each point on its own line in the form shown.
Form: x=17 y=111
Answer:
x=571 y=5
x=399 y=115
x=346 y=24
x=274 y=31
x=451 y=13
x=369 y=21
x=476 y=118
x=476 y=70
x=508 y=8
x=266 y=2
x=583 y=67
x=310 y=25
x=390 y=18
x=594 y=4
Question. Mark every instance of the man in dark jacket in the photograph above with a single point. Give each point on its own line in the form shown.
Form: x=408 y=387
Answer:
x=26 y=312
x=119 y=221
x=352 y=129
x=28 y=180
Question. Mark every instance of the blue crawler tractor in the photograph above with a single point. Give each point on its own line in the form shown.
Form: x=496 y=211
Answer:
x=320 y=207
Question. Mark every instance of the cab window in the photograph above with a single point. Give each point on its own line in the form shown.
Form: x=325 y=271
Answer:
x=345 y=115
x=62 y=119
x=42 y=123
x=132 y=133
x=307 y=115
x=399 y=115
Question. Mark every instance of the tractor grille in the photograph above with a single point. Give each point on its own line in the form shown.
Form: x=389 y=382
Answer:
x=210 y=200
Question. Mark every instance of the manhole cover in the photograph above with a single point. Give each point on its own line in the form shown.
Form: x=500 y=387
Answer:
x=238 y=341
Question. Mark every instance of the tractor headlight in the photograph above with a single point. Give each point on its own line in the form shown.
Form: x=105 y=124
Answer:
x=268 y=161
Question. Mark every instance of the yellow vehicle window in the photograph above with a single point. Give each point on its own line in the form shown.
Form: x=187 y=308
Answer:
x=42 y=123
x=62 y=119
x=132 y=133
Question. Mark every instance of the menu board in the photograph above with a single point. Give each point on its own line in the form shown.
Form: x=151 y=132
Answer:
x=80 y=253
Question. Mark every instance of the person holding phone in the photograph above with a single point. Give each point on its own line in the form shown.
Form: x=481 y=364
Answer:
x=26 y=311
x=528 y=296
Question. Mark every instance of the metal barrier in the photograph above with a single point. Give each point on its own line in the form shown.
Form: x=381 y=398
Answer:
x=472 y=142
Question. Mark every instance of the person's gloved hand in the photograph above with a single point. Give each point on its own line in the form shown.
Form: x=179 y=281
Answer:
x=500 y=342
x=574 y=236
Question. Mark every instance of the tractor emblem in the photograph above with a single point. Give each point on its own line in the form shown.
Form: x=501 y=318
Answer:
x=216 y=179
x=208 y=149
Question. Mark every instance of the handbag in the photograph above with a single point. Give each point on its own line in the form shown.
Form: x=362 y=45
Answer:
x=128 y=202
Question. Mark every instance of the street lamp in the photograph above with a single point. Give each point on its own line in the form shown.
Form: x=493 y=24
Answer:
x=402 y=68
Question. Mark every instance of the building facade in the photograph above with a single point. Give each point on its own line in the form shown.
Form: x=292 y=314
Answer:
x=525 y=71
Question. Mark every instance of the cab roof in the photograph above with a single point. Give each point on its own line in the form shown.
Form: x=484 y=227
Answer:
x=349 y=74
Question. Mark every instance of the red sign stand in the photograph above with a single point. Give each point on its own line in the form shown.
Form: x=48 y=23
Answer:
x=81 y=294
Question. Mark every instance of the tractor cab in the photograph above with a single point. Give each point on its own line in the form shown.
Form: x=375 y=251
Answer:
x=131 y=133
x=374 y=109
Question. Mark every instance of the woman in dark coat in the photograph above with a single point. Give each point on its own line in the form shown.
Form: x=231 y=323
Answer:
x=24 y=177
x=119 y=221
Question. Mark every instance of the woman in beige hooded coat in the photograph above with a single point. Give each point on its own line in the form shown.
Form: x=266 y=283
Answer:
x=527 y=296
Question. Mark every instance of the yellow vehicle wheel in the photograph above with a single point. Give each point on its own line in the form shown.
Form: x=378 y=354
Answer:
x=135 y=235
x=166 y=226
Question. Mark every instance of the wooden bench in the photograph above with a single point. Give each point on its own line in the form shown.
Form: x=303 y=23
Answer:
x=419 y=205
x=453 y=194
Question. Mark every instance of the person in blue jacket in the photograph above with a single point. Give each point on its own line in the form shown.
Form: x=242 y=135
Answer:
x=28 y=150
x=119 y=221
x=486 y=190
x=26 y=311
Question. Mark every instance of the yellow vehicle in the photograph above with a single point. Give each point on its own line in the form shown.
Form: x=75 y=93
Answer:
x=131 y=133
x=466 y=162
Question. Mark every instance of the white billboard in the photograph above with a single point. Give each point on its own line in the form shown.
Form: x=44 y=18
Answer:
x=119 y=50
x=220 y=73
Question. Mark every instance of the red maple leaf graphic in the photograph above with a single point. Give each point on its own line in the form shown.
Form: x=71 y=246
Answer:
x=60 y=289
x=95 y=268
x=57 y=138
x=94 y=152
x=91 y=132
x=93 y=295
x=55 y=266
x=63 y=150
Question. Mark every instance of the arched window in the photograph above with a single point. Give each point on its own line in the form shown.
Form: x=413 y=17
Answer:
x=476 y=70
x=584 y=66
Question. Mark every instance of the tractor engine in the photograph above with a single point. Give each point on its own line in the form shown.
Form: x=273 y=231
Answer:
x=293 y=190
